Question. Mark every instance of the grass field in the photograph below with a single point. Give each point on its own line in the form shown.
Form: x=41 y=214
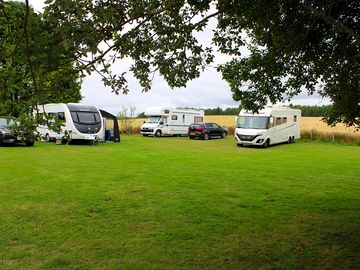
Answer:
x=175 y=203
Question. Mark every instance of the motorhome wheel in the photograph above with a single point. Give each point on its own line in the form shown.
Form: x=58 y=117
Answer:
x=266 y=143
x=158 y=133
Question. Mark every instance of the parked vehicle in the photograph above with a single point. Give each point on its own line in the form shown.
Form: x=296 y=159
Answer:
x=79 y=122
x=269 y=126
x=7 y=136
x=169 y=121
x=206 y=131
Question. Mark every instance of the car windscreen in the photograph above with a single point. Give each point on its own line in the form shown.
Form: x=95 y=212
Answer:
x=86 y=117
x=153 y=119
x=197 y=125
x=6 y=122
x=253 y=122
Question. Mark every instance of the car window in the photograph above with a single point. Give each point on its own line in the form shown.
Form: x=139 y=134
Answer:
x=209 y=125
x=215 y=125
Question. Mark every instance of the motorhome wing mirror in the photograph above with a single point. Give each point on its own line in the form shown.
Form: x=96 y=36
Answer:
x=161 y=123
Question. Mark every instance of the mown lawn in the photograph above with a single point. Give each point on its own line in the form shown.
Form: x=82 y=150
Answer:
x=175 y=203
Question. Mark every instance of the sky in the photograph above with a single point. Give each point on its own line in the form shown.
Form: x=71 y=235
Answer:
x=208 y=91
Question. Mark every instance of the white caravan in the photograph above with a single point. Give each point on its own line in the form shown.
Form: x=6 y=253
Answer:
x=169 y=121
x=82 y=121
x=269 y=126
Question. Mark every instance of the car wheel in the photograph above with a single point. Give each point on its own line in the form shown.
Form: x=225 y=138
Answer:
x=206 y=136
x=266 y=143
x=223 y=135
x=191 y=137
x=29 y=143
x=158 y=133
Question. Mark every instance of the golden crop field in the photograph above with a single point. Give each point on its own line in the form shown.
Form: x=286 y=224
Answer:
x=307 y=124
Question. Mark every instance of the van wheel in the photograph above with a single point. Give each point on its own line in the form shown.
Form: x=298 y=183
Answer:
x=158 y=133
x=223 y=135
x=47 y=138
x=266 y=143
x=206 y=136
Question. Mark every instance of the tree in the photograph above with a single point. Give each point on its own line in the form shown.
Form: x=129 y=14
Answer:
x=34 y=66
x=292 y=45
x=127 y=117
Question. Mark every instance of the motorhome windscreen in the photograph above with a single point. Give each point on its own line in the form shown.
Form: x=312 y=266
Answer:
x=253 y=122
x=153 y=119
x=86 y=117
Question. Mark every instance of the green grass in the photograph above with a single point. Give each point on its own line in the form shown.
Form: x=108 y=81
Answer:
x=175 y=203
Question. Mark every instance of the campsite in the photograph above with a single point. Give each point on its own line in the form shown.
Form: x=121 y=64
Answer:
x=160 y=203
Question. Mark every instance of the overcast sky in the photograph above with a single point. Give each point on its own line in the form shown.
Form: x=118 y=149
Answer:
x=208 y=91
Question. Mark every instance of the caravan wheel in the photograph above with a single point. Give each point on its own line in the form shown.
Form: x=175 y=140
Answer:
x=158 y=133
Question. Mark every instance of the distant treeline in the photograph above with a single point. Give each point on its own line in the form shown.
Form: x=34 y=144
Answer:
x=313 y=111
x=307 y=111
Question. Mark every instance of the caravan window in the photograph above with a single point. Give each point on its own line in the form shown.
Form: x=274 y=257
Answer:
x=295 y=118
x=174 y=117
x=284 y=120
x=61 y=116
x=85 y=117
x=198 y=119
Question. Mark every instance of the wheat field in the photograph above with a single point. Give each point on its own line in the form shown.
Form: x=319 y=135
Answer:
x=307 y=123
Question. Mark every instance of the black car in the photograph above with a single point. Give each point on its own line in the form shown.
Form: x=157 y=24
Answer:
x=206 y=131
x=7 y=136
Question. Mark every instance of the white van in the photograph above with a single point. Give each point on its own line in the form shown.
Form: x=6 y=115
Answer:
x=269 y=126
x=82 y=121
x=164 y=121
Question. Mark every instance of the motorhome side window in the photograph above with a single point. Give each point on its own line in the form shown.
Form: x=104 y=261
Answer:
x=278 y=121
x=174 y=117
x=284 y=120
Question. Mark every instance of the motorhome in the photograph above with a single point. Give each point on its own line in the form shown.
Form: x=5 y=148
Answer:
x=80 y=122
x=271 y=125
x=164 y=121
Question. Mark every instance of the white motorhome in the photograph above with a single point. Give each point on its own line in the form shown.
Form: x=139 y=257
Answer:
x=269 y=126
x=164 y=121
x=81 y=121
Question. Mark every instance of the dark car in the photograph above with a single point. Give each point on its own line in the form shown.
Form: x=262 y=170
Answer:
x=7 y=136
x=206 y=131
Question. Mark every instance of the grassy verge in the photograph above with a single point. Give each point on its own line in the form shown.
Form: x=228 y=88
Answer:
x=175 y=203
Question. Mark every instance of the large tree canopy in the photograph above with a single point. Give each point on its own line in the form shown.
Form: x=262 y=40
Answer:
x=34 y=67
x=292 y=45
